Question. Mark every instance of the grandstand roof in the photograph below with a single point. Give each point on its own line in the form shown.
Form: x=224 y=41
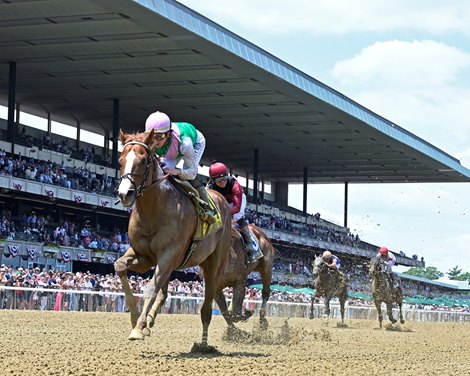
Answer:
x=74 y=57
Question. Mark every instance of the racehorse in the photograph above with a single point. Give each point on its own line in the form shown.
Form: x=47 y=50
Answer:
x=384 y=291
x=236 y=274
x=161 y=229
x=328 y=284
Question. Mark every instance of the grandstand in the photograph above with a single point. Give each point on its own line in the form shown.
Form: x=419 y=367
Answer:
x=56 y=192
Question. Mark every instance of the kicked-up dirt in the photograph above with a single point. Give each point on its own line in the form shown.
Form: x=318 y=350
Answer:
x=65 y=343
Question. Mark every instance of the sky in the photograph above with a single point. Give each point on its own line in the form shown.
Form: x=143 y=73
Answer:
x=408 y=61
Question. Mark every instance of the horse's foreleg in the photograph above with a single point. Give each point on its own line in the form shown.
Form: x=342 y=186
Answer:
x=390 y=312
x=378 y=306
x=266 y=277
x=222 y=303
x=327 y=306
x=402 y=320
x=161 y=298
x=237 y=300
x=312 y=300
x=130 y=261
x=342 y=301
x=160 y=279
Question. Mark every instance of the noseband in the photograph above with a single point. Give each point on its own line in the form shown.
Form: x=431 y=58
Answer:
x=130 y=175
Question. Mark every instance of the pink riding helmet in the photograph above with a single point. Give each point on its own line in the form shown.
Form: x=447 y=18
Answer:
x=159 y=122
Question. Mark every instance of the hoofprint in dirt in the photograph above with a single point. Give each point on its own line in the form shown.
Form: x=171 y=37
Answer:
x=66 y=343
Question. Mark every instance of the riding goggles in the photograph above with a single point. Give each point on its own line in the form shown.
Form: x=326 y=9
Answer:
x=159 y=136
x=220 y=178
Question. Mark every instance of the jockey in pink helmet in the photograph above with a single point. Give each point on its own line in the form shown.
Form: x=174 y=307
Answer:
x=180 y=141
x=229 y=187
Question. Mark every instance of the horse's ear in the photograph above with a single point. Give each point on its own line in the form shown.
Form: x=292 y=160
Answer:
x=122 y=136
x=151 y=142
x=149 y=138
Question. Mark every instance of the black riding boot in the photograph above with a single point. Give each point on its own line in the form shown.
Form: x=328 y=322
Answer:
x=207 y=214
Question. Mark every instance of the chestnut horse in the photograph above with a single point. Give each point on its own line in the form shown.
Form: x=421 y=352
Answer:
x=384 y=291
x=328 y=284
x=236 y=274
x=161 y=229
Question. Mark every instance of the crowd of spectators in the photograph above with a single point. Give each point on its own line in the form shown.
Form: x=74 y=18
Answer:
x=35 y=227
x=77 y=286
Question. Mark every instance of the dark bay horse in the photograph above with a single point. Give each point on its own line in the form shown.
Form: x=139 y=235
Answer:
x=236 y=274
x=161 y=229
x=384 y=291
x=328 y=284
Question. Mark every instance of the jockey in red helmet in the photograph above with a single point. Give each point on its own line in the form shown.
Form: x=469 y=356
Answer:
x=390 y=260
x=180 y=141
x=388 y=257
x=229 y=187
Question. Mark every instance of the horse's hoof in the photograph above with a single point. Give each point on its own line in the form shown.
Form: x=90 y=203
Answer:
x=146 y=332
x=393 y=321
x=136 y=335
x=247 y=316
x=310 y=316
x=402 y=321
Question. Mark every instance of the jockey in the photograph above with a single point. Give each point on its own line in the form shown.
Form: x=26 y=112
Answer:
x=333 y=262
x=176 y=141
x=389 y=259
x=229 y=187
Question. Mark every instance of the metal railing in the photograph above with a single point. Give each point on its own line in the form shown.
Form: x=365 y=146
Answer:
x=103 y=301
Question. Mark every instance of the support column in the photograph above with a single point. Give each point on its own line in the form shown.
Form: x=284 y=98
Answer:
x=255 y=176
x=77 y=140
x=115 y=134
x=11 y=104
x=49 y=123
x=106 y=144
x=17 y=121
x=281 y=192
x=345 y=204
x=305 y=192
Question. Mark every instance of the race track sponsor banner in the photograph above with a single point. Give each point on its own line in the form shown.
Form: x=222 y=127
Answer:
x=50 y=192
x=105 y=203
x=32 y=252
x=14 y=250
x=110 y=259
x=277 y=236
x=65 y=256
x=17 y=185
x=290 y=239
x=78 y=197
x=82 y=257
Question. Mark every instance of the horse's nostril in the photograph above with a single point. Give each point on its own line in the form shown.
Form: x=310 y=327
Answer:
x=130 y=193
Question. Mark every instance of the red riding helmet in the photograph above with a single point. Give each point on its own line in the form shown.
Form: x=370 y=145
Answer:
x=383 y=250
x=217 y=169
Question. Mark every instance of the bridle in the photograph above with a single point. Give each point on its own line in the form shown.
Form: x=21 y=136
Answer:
x=139 y=190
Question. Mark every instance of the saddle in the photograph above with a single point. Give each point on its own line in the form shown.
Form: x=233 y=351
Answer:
x=203 y=229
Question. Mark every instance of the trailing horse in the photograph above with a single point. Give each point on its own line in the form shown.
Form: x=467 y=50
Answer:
x=236 y=274
x=161 y=233
x=384 y=291
x=329 y=284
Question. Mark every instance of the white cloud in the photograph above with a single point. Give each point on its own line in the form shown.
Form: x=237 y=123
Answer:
x=401 y=64
x=417 y=85
x=338 y=16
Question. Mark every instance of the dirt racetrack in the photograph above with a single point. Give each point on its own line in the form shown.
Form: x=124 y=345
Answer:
x=65 y=343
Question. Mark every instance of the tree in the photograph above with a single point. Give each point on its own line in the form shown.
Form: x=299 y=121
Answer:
x=462 y=277
x=429 y=273
x=454 y=272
